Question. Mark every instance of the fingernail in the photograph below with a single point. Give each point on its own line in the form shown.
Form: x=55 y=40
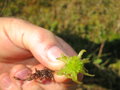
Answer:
x=5 y=82
x=23 y=73
x=54 y=52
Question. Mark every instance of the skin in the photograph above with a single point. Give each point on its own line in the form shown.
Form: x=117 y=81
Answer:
x=24 y=47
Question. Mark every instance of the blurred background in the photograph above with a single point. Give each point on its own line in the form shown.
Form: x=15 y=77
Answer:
x=93 y=25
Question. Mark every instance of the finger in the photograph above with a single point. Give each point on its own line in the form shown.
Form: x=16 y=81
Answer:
x=69 y=50
x=7 y=84
x=39 y=41
x=54 y=86
x=61 y=78
x=6 y=67
x=19 y=73
x=32 y=85
x=64 y=79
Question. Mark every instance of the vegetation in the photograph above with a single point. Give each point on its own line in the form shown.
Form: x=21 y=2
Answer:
x=74 y=66
x=93 y=25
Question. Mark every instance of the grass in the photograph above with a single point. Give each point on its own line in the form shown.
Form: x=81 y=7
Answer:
x=93 y=25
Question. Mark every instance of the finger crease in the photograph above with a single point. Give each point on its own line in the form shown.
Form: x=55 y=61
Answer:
x=4 y=30
x=22 y=40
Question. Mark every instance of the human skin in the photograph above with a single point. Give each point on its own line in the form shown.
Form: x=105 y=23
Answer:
x=24 y=47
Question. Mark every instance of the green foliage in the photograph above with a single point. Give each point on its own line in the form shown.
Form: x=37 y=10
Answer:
x=73 y=66
x=97 y=23
x=115 y=66
x=98 y=61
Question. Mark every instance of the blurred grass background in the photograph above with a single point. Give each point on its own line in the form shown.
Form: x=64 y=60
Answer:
x=93 y=25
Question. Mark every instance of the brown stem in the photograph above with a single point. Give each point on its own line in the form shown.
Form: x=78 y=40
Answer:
x=101 y=49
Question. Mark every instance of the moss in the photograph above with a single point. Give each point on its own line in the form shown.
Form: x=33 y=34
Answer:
x=73 y=66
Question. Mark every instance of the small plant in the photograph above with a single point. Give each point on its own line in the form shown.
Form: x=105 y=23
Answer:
x=73 y=66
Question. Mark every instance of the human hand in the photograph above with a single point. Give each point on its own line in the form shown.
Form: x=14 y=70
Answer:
x=23 y=43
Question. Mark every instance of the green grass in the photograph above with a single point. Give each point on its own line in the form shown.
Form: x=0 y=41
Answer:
x=93 y=25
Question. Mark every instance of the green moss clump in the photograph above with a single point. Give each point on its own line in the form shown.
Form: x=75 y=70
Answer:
x=73 y=66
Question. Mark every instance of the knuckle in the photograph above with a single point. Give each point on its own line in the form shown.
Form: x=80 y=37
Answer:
x=15 y=22
x=42 y=35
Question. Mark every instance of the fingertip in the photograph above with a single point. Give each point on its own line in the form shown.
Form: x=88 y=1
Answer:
x=61 y=78
x=53 y=53
x=49 y=56
x=20 y=71
x=64 y=79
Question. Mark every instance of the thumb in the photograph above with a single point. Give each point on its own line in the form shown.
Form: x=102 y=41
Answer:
x=40 y=42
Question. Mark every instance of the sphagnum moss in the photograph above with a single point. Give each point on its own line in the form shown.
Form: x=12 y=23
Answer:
x=73 y=66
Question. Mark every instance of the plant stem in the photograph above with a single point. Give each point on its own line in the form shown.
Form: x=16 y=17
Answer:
x=101 y=49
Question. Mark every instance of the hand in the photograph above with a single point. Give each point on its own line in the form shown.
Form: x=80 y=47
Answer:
x=30 y=46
